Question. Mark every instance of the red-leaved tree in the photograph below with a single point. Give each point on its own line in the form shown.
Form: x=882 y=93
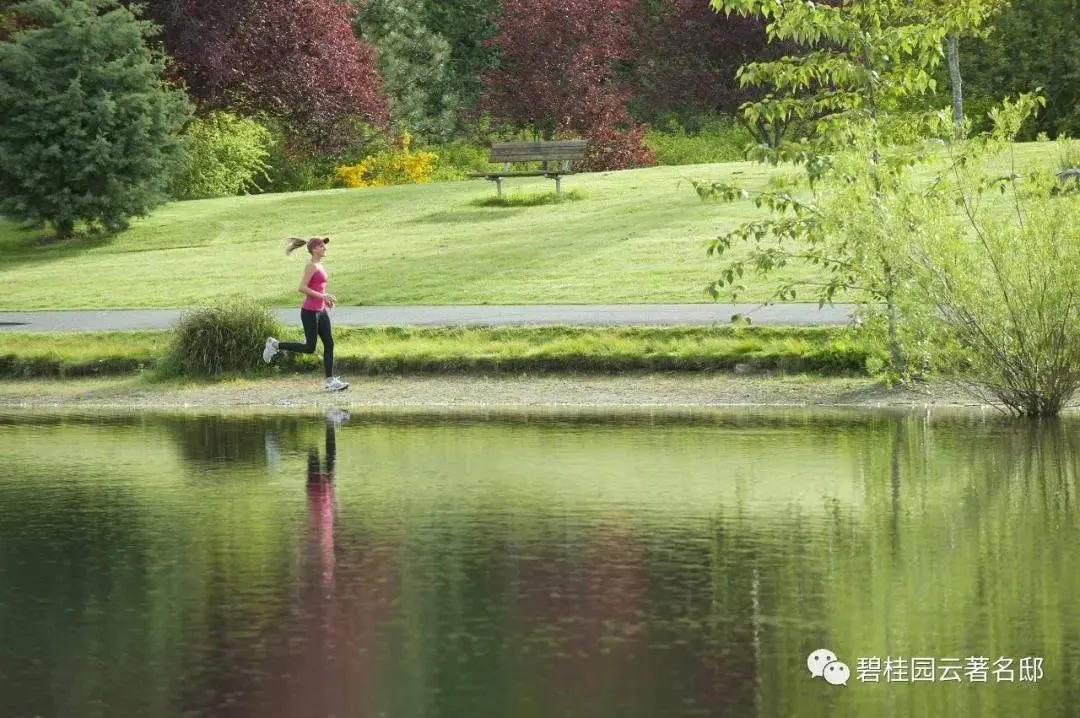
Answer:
x=561 y=72
x=297 y=60
x=690 y=54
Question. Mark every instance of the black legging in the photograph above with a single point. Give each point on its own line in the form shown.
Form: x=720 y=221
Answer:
x=317 y=474
x=315 y=324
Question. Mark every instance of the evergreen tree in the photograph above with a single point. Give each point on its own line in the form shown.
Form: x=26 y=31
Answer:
x=414 y=62
x=89 y=128
x=468 y=26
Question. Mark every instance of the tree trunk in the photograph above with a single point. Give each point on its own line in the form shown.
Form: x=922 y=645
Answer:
x=65 y=228
x=896 y=355
x=952 y=47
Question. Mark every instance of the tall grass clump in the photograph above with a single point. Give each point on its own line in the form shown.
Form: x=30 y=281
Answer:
x=225 y=338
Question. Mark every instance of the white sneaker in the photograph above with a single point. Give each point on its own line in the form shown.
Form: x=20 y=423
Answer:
x=270 y=349
x=335 y=384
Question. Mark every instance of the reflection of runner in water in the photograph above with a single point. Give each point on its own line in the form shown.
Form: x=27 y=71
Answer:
x=320 y=490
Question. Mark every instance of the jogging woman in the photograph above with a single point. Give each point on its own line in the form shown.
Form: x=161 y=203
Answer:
x=314 y=313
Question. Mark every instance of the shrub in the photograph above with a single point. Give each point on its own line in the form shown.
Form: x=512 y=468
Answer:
x=294 y=169
x=398 y=165
x=1068 y=153
x=1009 y=301
x=223 y=338
x=457 y=159
x=222 y=155
x=613 y=149
x=87 y=130
x=717 y=139
x=288 y=172
x=1004 y=282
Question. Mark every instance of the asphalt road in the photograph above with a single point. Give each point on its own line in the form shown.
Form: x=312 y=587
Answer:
x=448 y=316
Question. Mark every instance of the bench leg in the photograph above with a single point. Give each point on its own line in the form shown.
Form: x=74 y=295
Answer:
x=558 y=184
x=498 y=185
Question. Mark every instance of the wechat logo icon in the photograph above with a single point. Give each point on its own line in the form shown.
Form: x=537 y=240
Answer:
x=823 y=664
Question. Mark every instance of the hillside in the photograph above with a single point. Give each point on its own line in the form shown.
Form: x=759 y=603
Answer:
x=635 y=236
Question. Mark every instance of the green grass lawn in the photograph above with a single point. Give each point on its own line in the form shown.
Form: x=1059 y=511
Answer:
x=826 y=350
x=633 y=236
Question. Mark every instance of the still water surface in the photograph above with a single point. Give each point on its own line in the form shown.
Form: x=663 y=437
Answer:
x=416 y=566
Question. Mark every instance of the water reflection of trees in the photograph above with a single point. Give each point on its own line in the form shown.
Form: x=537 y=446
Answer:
x=964 y=542
x=965 y=549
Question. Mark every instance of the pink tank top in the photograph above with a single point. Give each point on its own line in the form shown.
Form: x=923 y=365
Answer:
x=318 y=283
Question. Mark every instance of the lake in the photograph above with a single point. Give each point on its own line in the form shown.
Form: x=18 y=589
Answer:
x=545 y=564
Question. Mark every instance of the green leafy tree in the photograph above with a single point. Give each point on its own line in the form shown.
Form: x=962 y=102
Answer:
x=852 y=87
x=223 y=154
x=961 y=19
x=414 y=62
x=1030 y=44
x=89 y=130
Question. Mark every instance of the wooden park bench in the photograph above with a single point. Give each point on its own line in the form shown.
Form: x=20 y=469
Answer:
x=510 y=152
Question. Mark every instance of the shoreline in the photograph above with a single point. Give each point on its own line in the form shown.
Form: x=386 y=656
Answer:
x=645 y=391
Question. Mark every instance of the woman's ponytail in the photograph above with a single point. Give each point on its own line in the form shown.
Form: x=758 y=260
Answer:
x=293 y=243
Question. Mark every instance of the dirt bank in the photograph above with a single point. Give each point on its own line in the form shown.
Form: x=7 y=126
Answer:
x=622 y=391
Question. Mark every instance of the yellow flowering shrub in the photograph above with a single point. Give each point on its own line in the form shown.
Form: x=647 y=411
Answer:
x=399 y=165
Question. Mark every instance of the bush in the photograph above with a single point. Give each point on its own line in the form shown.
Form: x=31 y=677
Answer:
x=1010 y=304
x=1004 y=283
x=225 y=338
x=397 y=165
x=613 y=149
x=87 y=131
x=457 y=159
x=294 y=170
x=222 y=155
x=1068 y=153
x=717 y=139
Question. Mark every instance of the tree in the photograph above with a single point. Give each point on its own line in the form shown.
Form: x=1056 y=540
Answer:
x=690 y=56
x=414 y=62
x=295 y=60
x=862 y=67
x=1030 y=44
x=559 y=74
x=89 y=129
x=468 y=26
x=960 y=18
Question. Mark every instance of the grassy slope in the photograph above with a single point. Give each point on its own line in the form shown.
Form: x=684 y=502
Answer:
x=638 y=236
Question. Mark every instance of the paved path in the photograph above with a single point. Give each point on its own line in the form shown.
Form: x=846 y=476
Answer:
x=444 y=316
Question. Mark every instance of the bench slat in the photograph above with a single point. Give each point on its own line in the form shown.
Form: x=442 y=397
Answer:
x=535 y=156
x=522 y=173
x=534 y=151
